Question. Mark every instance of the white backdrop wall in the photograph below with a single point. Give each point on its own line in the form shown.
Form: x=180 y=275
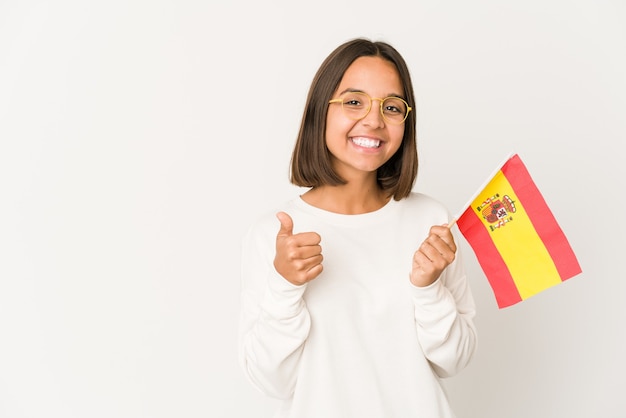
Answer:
x=138 y=139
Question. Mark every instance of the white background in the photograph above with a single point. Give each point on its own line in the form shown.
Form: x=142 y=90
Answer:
x=138 y=140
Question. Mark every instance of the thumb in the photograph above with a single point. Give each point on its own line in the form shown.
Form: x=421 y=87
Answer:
x=286 y=224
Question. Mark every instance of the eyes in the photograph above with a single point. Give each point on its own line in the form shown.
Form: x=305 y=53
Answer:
x=356 y=105
x=388 y=108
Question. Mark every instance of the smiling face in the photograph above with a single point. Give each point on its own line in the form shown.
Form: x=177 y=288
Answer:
x=360 y=147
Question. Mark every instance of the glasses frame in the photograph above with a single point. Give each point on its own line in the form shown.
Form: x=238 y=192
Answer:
x=369 y=108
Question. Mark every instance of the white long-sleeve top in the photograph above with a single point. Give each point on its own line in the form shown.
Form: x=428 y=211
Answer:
x=359 y=340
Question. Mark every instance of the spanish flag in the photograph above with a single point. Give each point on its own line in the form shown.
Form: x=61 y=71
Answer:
x=517 y=241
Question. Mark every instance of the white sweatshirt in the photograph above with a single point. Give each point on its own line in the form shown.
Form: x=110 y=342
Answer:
x=359 y=340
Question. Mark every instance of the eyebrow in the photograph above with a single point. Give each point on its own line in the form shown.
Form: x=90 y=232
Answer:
x=353 y=90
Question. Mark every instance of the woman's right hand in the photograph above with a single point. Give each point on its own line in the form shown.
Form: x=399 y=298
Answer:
x=298 y=256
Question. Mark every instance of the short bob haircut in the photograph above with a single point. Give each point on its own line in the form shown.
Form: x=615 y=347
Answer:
x=310 y=161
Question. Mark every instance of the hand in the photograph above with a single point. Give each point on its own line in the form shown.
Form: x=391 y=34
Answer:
x=433 y=256
x=298 y=257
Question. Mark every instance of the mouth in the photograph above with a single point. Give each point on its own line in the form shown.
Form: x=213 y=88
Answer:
x=365 y=142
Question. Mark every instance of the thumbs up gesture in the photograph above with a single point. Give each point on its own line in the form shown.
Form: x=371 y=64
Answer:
x=298 y=256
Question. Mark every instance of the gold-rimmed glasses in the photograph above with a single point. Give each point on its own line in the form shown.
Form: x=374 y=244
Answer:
x=356 y=105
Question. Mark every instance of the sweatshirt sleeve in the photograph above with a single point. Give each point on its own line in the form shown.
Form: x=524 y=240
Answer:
x=274 y=321
x=444 y=318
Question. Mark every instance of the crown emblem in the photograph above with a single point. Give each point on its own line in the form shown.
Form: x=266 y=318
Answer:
x=497 y=210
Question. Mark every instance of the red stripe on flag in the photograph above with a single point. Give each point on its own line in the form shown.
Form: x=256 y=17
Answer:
x=542 y=218
x=489 y=258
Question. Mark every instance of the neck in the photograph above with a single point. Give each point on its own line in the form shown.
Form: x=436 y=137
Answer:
x=347 y=199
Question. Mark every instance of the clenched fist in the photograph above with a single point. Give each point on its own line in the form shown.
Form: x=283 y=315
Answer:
x=298 y=256
x=433 y=256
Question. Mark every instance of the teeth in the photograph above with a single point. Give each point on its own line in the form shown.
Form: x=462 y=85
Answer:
x=366 y=142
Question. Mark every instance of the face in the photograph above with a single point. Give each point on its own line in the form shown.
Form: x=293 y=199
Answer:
x=360 y=147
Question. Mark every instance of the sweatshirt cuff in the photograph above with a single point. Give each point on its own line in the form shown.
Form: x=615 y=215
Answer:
x=427 y=294
x=283 y=298
x=432 y=303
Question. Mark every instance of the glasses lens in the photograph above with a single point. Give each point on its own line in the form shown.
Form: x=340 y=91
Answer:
x=394 y=109
x=356 y=105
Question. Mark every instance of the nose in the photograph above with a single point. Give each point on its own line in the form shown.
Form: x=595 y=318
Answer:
x=374 y=117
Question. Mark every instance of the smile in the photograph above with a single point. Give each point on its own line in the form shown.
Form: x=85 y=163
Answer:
x=366 y=142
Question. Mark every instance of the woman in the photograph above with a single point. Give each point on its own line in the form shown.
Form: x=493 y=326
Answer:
x=354 y=298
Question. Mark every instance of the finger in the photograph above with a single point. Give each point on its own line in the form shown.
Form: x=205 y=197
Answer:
x=308 y=251
x=286 y=224
x=442 y=232
x=424 y=271
x=429 y=260
x=308 y=239
x=308 y=263
x=437 y=251
x=314 y=271
x=420 y=259
x=429 y=252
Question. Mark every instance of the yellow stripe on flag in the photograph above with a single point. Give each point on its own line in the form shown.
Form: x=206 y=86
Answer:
x=516 y=240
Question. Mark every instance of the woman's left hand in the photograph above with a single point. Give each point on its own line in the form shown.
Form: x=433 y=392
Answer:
x=433 y=256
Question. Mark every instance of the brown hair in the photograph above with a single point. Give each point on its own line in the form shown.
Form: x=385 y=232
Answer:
x=310 y=162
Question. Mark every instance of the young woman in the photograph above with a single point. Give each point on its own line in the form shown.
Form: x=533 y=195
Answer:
x=354 y=298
